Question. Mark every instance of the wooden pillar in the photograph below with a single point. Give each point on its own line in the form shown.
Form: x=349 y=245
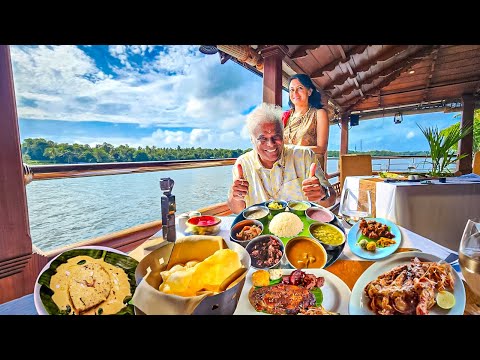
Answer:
x=344 y=134
x=15 y=241
x=465 y=145
x=272 y=73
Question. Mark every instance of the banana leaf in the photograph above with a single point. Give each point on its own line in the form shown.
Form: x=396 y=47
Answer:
x=124 y=262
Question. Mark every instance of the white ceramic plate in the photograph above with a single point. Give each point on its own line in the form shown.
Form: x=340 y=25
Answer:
x=359 y=301
x=36 y=290
x=335 y=293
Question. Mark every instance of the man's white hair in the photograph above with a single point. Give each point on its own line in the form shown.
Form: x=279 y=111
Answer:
x=262 y=114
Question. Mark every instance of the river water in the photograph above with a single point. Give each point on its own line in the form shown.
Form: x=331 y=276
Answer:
x=66 y=211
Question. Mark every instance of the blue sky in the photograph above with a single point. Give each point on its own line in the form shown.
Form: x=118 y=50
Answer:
x=164 y=96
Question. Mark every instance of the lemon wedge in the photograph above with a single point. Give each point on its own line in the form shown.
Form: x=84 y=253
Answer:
x=445 y=299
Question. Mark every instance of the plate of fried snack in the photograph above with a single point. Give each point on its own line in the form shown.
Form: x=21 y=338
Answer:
x=196 y=275
x=374 y=238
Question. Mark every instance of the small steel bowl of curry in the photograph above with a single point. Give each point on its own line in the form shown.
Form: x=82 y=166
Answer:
x=276 y=206
x=266 y=252
x=246 y=230
x=298 y=207
x=319 y=214
x=303 y=252
x=327 y=234
x=257 y=212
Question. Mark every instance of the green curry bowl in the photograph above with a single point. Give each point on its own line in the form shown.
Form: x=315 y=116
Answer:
x=329 y=235
x=298 y=207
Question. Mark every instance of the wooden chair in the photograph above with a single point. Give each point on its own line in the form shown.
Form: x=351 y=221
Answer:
x=352 y=164
x=476 y=163
x=337 y=188
x=334 y=208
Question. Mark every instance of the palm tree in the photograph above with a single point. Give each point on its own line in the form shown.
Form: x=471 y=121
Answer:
x=476 y=131
x=53 y=153
x=441 y=147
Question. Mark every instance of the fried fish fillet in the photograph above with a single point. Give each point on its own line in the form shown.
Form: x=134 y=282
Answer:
x=89 y=285
x=281 y=299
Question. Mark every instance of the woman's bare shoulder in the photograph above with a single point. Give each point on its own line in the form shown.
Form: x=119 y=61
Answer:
x=322 y=114
x=322 y=111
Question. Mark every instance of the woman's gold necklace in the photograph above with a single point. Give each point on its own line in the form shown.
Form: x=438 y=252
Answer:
x=298 y=119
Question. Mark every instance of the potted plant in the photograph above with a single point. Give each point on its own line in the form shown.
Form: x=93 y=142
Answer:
x=476 y=130
x=442 y=146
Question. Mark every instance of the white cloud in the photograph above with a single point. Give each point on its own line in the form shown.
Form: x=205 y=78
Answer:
x=179 y=88
x=206 y=138
x=234 y=122
x=410 y=134
x=177 y=58
x=199 y=135
x=167 y=86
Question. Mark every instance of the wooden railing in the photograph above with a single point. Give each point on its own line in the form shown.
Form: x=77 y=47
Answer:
x=411 y=163
x=60 y=171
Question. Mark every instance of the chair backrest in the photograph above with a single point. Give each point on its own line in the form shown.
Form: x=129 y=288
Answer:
x=476 y=163
x=352 y=164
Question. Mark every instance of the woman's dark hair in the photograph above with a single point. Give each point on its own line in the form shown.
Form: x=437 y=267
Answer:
x=315 y=99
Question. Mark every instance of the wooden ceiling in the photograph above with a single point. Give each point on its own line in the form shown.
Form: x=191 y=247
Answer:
x=380 y=80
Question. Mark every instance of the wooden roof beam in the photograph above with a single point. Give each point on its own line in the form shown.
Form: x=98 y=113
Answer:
x=383 y=94
x=224 y=57
x=302 y=51
x=407 y=62
x=368 y=94
x=358 y=49
x=347 y=63
x=382 y=56
x=430 y=75
x=436 y=86
x=368 y=80
x=391 y=52
x=339 y=79
x=353 y=73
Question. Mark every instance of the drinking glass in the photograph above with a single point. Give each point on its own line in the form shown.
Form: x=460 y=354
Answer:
x=469 y=255
x=355 y=205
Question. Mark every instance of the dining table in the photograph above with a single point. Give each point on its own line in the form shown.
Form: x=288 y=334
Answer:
x=348 y=267
x=435 y=209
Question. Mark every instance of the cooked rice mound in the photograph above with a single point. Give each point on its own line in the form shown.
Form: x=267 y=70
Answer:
x=286 y=224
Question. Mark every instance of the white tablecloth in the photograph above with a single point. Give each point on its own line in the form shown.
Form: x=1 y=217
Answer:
x=436 y=211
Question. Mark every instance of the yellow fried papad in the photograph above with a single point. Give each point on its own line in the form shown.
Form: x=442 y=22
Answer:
x=206 y=275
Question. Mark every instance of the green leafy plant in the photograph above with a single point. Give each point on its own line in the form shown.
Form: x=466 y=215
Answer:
x=442 y=146
x=476 y=130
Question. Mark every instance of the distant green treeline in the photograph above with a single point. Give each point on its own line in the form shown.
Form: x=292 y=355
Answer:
x=46 y=151
x=40 y=150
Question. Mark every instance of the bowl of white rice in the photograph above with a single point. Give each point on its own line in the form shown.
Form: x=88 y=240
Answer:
x=285 y=224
